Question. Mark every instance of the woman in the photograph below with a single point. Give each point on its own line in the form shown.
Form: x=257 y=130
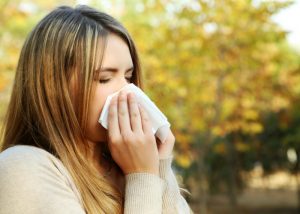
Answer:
x=56 y=157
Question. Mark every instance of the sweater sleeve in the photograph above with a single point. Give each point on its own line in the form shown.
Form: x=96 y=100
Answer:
x=143 y=193
x=173 y=201
x=31 y=184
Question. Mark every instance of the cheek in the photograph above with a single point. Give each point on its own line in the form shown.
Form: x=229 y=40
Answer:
x=95 y=131
x=96 y=105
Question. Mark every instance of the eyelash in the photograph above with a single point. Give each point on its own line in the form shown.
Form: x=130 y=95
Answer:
x=107 y=80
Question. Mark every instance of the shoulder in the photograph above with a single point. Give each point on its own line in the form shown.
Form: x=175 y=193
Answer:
x=22 y=159
x=27 y=161
x=16 y=155
x=33 y=179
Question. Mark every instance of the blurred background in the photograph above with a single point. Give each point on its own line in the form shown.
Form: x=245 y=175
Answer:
x=227 y=75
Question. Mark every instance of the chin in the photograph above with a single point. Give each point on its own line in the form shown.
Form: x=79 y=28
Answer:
x=97 y=134
x=101 y=134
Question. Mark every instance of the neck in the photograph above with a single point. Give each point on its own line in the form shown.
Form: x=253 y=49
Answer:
x=106 y=166
x=96 y=157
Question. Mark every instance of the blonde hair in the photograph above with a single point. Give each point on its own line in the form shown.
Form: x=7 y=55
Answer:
x=42 y=111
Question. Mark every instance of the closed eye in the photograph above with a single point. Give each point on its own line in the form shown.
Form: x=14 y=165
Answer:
x=129 y=79
x=104 y=81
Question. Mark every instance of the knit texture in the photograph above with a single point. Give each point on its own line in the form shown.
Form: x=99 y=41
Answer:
x=33 y=181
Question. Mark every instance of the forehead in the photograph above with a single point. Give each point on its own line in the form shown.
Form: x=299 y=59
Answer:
x=116 y=53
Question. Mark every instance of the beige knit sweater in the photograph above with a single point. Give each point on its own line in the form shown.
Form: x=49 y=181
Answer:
x=33 y=181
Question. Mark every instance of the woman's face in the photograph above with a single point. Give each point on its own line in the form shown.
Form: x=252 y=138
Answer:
x=116 y=71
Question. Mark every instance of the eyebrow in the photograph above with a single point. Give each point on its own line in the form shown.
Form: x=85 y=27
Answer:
x=108 y=69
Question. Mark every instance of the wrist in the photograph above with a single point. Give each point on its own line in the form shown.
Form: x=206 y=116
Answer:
x=165 y=167
x=148 y=171
x=165 y=155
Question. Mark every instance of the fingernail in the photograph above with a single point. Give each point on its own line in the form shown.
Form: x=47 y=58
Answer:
x=113 y=99
x=121 y=94
x=131 y=95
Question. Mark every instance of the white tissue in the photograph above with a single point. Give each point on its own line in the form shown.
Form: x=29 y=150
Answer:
x=160 y=124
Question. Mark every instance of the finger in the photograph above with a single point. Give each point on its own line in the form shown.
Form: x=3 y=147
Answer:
x=123 y=114
x=113 y=123
x=135 y=117
x=157 y=140
x=146 y=123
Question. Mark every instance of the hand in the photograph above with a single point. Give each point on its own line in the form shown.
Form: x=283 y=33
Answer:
x=131 y=140
x=165 y=149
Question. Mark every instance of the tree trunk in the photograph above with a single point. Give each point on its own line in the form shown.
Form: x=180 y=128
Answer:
x=202 y=178
x=231 y=178
x=298 y=177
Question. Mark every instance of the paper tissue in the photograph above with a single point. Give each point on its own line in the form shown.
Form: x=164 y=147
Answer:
x=160 y=124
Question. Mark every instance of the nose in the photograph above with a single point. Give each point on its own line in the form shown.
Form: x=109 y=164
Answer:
x=122 y=83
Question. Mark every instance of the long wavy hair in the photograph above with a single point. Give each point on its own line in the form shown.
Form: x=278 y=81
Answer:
x=42 y=111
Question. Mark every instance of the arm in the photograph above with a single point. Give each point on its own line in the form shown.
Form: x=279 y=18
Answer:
x=143 y=193
x=31 y=184
x=173 y=201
